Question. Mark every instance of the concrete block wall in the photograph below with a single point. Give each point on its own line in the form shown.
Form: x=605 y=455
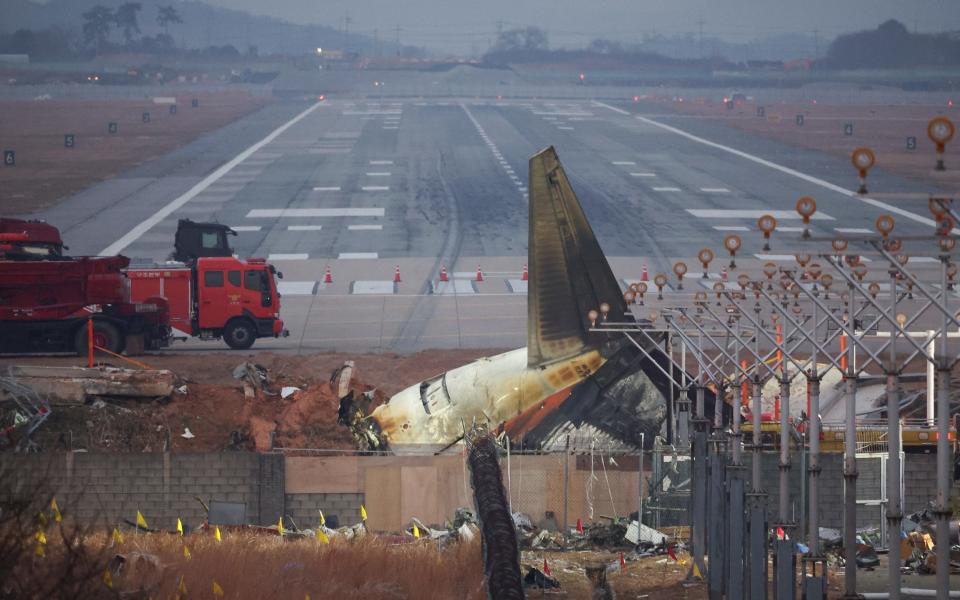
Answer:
x=105 y=489
x=305 y=508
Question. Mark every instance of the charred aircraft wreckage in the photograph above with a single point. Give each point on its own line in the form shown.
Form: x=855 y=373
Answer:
x=568 y=379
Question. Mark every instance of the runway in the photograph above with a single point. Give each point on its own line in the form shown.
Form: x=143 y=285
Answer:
x=365 y=187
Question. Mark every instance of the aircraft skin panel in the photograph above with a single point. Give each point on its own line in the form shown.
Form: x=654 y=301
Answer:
x=569 y=275
x=490 y=390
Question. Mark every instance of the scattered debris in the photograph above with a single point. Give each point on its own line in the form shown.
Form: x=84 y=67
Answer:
x=187 y=434
x=287 y=391
x=77 y=385
x=538 y=579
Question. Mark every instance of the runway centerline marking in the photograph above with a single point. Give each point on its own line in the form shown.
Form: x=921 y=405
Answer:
x=736 y=213
x=365 y=227
x=358 y=255
x=375 y=188
x=381 y=162
x=667 y=189
x=783 y=169
x=328 y=188
x=623 y=163
x=299 y=213
x=304 y=227
x=148 y=223
x=731 y=228
x=245 y=227
x=643 y=174
x=853 y=230
x=714 y=190
x=379 y=174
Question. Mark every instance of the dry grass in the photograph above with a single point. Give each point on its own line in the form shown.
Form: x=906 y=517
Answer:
x=265 y=567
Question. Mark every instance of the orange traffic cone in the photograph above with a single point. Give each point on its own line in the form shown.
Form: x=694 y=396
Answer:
x=546 y=568
x=623 y=562
x=328 y=278
x=396 y=275
x=443 y=274
x=644 y=276
x=479 y=274
x=525 y=276
x=580 y=526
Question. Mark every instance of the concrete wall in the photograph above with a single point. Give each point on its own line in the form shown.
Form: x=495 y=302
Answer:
x=107 y=488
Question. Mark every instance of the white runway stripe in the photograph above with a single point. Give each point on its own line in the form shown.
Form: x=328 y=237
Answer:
x=624 y=163
x=245 y=228
x=379 y=174
x=643 y=174
x=365 y=227
x=297 y=288
x=381 y=162
x=731 y=228
x=299 y=213
x=304 y=227
x=666 y=189
x=853 y=230
x=714 y=190
x=357 y=255
x=793 y=172
x=780 y=215
x=375 y=188
x=273 y=257
x=329 y=188
x=145 y=225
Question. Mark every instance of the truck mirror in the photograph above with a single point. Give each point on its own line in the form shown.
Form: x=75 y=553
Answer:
x=279 y=274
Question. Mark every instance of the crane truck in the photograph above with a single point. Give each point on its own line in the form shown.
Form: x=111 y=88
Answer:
x=206 y=293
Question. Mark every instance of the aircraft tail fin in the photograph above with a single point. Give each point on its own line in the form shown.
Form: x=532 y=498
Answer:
x=568 y=273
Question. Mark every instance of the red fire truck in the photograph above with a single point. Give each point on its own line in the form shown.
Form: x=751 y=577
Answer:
x=46 y=298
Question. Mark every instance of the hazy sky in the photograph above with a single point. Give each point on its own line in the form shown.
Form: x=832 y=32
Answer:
x=457 y=25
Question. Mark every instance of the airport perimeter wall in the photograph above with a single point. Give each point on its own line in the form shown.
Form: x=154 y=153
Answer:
x=109 y=488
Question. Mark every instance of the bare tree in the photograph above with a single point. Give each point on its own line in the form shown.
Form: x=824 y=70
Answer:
x=125 y=18
x=97 y=23
x=166 y=16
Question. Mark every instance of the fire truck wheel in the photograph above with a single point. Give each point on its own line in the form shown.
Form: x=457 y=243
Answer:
x=239 y=334
x=105 y=335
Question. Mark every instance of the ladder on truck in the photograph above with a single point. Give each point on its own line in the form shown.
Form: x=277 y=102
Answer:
x=32 y=411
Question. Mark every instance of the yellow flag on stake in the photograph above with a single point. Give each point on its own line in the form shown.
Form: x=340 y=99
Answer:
x=416 y=531
x=182 y=587
x=56 y=510
x=179 y=526
x=217 y=590
x=43 y=519
x=141 y=522
x=696 y=572
x=363 y=513
x=41 y=537
x=217 y=534
x=280 y=525
x=40 y=552
x=186 y=553
x=323 y=519
x=322 y=537
x=107 y=578
x=117 y=536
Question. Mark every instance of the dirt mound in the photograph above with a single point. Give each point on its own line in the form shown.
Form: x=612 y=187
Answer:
x=211 y=411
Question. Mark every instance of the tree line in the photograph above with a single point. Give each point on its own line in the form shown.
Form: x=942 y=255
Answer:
x=97 y=34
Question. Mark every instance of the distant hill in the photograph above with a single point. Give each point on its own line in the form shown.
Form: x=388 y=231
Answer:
x=203 y=26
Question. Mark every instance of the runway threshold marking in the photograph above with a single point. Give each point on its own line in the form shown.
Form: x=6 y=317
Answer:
x=767 y=163
x=148 y=223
